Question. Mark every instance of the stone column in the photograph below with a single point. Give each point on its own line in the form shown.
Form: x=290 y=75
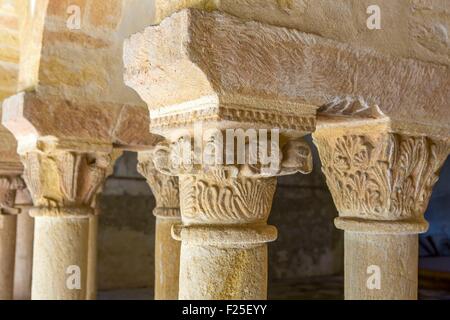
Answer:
x=224 y=236
x=8 y=225
x=63 y=184
x=200 y=86
x=92 y=257
x=224 y=211
x=167 y=213
x=24 y=247
x=381 y=182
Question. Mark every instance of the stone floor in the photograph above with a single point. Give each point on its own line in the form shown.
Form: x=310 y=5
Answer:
x=315 y=288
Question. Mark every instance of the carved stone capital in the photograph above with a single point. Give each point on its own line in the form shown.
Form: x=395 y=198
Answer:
x=164 y=187
x=219 y=198
x=218 y=208
x=216 y=71
x=65 y=183
x=246 y=157
x=9 y=186
x=380 y=181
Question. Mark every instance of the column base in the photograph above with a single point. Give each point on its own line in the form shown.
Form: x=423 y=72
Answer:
x=167 y=260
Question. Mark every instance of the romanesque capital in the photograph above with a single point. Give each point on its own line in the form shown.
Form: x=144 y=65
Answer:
x=380 y=180
x=251 y=154
x=9 y=187
x=230 y=126
x=164 y=187
x=66 y=182
x=222 y=202
x=227 y=178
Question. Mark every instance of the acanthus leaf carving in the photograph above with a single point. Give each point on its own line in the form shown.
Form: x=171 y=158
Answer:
x=9 y=185
x=164 y=187
x=217 y=197
x=66 y=178
x=383 y=176
x=68 y=164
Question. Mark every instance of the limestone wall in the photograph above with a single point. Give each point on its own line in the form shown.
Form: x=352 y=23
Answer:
x=83 y=62
x=9 y=50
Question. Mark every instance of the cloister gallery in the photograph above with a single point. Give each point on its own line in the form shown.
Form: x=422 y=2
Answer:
x=218 y=99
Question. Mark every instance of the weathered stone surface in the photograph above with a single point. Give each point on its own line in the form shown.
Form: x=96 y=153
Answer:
x=132 y=129
x=8 y=225
x=74 y=70
x=9 y=185
x=24 y=247
x=308 y=244
x=167 y=213
x=232 y=72
x=9 y=159
x=64 y=185
x=217 y=62
x=381 y=181
x=32 y=118
x=202 y=74
x=52 y=260
x=395 y=255
x=167 y=260
x=415 y=29
x=106 y=14
x=223 y=273
x=79 y=61
x=9 y=49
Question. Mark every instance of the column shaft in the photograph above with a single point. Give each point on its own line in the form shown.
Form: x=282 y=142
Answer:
x=381 y=266
x=167 y=213
x=60 y=263
x=92 y=259
x=224 y=237
x=224 y=212
x=167 y=260
x=381 y=183
x=64 y=185
x=8 y=225
x=24 y=256
x=214 y=273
